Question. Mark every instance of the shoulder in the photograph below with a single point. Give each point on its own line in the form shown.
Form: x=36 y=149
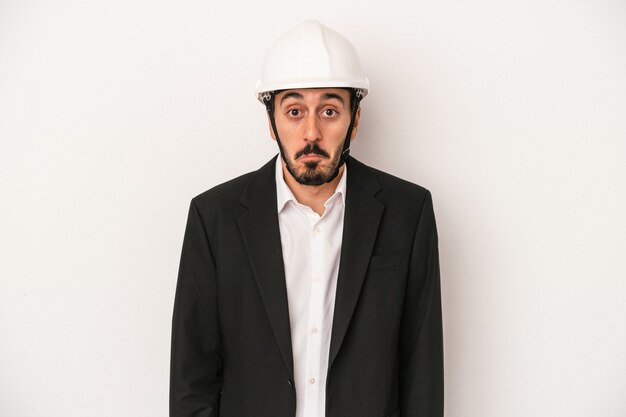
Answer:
x=229 y=190
x=393 y=189
x=226 y=197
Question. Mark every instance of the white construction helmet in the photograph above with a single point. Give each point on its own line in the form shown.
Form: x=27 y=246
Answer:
x=311 y=56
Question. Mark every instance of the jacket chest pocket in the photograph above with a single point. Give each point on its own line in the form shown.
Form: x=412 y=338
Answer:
x=385 y=260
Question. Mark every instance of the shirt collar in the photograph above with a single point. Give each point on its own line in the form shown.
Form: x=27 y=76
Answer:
x=284 y=194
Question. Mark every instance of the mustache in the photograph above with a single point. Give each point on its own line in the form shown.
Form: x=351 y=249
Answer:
x=311 y=148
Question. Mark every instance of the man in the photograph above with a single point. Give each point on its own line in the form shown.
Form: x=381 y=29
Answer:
x=309 y=287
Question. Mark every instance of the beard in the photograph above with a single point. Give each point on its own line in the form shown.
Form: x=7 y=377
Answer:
x=313 y=172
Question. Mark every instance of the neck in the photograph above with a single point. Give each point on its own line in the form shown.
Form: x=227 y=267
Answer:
x=313 y=196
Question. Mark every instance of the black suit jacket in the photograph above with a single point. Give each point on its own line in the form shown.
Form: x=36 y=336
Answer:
x=231 y=342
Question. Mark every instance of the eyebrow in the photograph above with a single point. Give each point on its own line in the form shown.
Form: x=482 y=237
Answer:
x=291 y=94
x=327 y=96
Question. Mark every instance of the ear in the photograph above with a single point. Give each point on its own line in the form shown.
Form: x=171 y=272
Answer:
x=269 y=123
x=355 y=127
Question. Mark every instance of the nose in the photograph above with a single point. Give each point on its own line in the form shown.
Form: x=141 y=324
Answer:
x=312 y=131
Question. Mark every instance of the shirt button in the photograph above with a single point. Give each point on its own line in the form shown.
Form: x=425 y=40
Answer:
x=317 y=229
x=316 y=280
x=312 y=381
x=314 y=330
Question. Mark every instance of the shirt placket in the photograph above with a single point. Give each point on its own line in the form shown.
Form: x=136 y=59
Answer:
x=316 y=311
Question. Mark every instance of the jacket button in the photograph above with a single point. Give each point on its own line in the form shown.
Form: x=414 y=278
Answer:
x=290 y=383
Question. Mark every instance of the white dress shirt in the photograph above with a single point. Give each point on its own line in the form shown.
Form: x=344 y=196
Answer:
x=311 y=246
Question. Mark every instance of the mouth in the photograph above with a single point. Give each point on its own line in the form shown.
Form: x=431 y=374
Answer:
x=310 y=157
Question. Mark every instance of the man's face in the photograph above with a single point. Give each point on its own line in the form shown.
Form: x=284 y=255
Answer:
x=312 y=124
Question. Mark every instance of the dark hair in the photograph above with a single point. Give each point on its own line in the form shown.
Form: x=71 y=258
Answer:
x=352 y=101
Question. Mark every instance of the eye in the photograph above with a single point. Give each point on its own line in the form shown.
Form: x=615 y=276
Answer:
x=294 y=112
x=330 y=112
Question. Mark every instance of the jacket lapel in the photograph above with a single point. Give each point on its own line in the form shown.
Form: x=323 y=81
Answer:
x=362 y=218
x=261 y=235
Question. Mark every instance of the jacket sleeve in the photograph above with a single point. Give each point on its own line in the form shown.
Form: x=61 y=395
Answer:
x=421 y=344
x=196 y=364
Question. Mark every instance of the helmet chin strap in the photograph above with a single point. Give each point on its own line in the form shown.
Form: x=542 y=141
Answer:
x=355 y=97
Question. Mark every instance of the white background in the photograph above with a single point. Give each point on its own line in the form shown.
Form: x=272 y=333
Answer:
x=114 y=114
